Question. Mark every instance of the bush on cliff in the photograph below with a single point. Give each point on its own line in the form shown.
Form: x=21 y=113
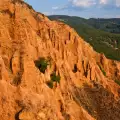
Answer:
x=117 y=81
x=42 y=64
x=55 y=78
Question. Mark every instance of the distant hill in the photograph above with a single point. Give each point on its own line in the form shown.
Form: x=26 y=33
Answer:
x=110 y=25
x=95 y=33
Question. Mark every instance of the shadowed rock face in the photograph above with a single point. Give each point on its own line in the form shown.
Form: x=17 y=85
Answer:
x=86 y=90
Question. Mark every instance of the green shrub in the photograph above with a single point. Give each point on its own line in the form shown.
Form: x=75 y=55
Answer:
x=117 y=81
x=42 y=64
x=50 y=84
x=103 y=71
x=55 y=78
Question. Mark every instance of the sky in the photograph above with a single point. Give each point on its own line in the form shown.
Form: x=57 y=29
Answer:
x=82 y=8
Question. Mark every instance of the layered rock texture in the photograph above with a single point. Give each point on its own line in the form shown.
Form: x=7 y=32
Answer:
x=89 y=83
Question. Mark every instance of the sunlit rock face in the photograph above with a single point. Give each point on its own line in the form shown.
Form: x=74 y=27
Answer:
x=88 y=87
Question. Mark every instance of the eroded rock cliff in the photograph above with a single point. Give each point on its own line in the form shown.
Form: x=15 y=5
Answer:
x=88 y=88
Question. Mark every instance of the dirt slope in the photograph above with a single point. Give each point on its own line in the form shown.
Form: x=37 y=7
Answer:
x=86 y=90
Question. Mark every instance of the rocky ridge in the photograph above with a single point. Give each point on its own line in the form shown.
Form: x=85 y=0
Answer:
x=87 y=89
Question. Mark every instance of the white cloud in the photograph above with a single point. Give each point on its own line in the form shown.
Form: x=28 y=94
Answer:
x=55 y=8
x=111 y=2
x=48 y=13
x=118 y=3
x=86 y=4
x=83 y=3
x=103 y=1
x=90 y=3
x=60 y=8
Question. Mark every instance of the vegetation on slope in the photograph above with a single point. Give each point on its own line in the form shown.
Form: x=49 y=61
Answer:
x=42 y=64
x=110 y=25
x=103 y=42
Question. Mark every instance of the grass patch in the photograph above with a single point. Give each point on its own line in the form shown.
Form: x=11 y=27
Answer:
x=117 y=81
x=103 y=71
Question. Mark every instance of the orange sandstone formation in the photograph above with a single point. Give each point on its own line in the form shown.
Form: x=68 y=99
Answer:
x=87 y=89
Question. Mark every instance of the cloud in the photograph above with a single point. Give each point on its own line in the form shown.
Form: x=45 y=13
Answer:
x=110 y=4
x=103 y=2
x=76 y=5
x=87 y=4
x=118 y=3
x=83 y=3
x=60 y=7
x=55 y=8
x=48 y=13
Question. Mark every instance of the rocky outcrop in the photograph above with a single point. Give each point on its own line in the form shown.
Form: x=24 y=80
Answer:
x=87 y=89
